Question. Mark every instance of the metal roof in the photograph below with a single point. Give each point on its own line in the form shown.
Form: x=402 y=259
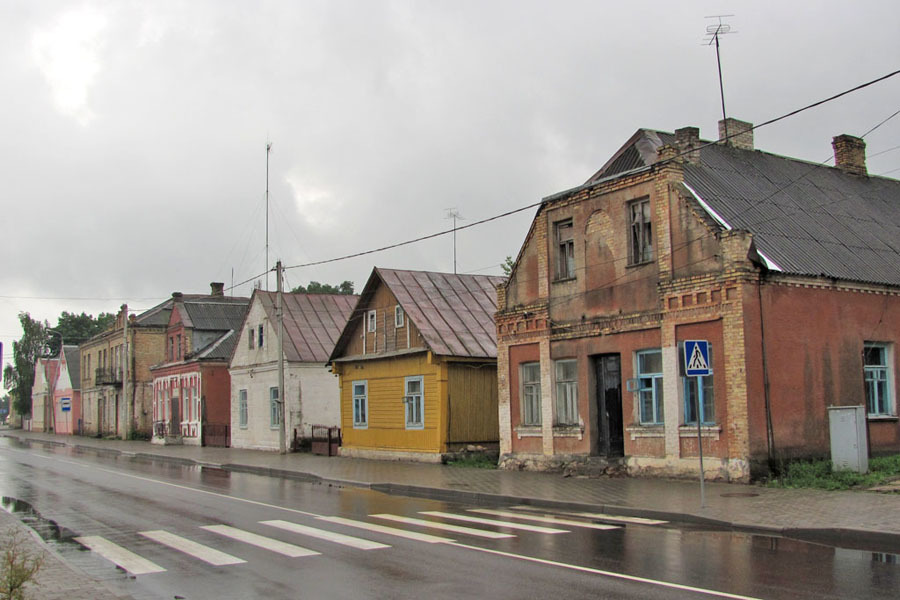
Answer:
x=217 y=313
x=73 y=365
x=453 y=313
x=312 y=322
x=806 y=218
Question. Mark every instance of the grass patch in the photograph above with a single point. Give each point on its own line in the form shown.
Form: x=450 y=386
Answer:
x=474 y=461
x=818 y=474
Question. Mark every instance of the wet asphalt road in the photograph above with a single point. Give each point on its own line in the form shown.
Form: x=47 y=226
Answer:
x=117 y=498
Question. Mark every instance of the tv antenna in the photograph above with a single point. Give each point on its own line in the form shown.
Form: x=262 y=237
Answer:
x=713 y=32
x=268 y=152
x=453 y=213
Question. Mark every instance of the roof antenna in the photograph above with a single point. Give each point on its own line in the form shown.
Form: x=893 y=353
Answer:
x=268 y=152
x=714 y=31
x=453 y=213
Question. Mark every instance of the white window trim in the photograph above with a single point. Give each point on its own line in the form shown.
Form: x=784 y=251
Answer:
x=371 y=321
x=280 y=412
x=399 y=317
x=522 y=397
x=364 y=398
x=658 y=404
x=408 y=399
x=243 y=409
x=568 y=384
x=890 y=383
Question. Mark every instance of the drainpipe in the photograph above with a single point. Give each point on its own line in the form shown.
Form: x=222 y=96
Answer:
x=770 y=434
x=125 y=369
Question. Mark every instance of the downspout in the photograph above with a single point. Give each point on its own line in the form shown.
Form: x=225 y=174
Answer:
x=770 y=434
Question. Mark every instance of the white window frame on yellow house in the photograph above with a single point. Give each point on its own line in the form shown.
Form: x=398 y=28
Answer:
x=398 y=317
x=360 y=391
x=371 y=321
x=414 y=404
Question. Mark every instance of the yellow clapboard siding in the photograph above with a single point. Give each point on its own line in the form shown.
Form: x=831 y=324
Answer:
x=474 y=413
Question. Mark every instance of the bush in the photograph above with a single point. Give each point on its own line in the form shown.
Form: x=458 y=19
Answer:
x=19 y=565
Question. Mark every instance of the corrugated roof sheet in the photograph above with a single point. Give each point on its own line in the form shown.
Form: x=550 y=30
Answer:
x=312 y=323
x=454 y=313
x=808 y=219
x=219 y=313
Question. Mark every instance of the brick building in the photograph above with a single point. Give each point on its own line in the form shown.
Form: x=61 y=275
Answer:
x=191 y=386
x=790 y=270
x=115 y=401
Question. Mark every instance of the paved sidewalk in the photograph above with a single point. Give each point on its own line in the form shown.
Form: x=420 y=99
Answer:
x=57 y=579
x=854 y=519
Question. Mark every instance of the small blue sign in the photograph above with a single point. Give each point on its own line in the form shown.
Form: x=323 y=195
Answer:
x=65 y=404
x=696 y=358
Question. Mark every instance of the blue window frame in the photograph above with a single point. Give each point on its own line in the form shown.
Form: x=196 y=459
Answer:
x=274 y=408
x=650 y=386
x=360 y=404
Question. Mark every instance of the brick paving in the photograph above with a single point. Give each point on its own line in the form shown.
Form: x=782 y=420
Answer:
x=861 y=519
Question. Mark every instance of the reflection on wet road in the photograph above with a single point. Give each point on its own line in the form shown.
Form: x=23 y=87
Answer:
x=160 y=530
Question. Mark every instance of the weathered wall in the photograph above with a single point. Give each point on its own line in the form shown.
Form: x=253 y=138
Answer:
x=472 y=414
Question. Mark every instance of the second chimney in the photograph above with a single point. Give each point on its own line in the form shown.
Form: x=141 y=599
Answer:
x=687 y=140
x=850 y=154
x=739 y=133
x=217 y=288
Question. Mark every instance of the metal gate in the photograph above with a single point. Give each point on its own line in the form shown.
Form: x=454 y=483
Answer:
x=325 y=440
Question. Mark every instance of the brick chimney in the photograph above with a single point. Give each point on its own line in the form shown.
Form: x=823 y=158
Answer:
x=177 y=296
x=740 y=133
x=687 y=140
x=216 y=288
x=850 y=154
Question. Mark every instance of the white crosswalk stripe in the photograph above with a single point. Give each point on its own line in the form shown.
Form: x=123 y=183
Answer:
x=410 y=535
x=322 y=534
x=542 y=519
x=126 y=559
x=508 y=524
x=260 y=541
x=445 y=526
x=602 y=516
x=192 y=548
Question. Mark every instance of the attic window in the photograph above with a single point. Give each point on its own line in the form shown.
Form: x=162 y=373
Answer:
x=565 y=249
x=398 y=316
x=251 y=336
x=260 y=336
x=372 y=321
x=640 y=248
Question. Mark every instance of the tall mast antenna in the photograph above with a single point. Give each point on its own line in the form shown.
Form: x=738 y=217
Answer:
x=453 y=213
x=268 y=151
x=713 y=31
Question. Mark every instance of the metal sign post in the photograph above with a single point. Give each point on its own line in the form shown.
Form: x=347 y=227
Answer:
x=696 y=364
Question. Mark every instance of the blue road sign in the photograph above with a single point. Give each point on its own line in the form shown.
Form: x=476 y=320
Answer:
x=65 y=404
x=696 y=358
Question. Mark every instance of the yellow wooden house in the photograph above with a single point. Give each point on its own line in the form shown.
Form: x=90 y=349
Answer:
x=417 y=366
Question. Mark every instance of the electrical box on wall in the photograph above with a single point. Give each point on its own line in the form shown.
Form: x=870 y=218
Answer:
x=849 y=442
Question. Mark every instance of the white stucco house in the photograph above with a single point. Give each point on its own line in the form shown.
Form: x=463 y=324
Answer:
x=312 y=325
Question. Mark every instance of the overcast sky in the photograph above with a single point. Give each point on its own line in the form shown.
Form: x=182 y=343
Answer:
x=133 y=134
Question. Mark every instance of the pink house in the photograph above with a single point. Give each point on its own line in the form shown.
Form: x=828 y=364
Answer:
x=67 y=394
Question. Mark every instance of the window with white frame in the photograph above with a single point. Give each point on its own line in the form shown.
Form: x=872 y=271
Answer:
x=371 y=321
x=650 y=386
x=398 y=317
x=274 y=408
x=360 y=404
x=566 y=392
x=640 y=232
x=565 y=249
x=530 y=376
x=699 y=392
x=414 y=399
x=197 y=408
x=879 y=379
x=242 y=409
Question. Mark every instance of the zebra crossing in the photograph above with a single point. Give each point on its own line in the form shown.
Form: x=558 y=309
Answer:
x=503 y=524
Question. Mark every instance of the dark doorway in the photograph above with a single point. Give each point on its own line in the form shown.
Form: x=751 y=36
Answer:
x=609 y=405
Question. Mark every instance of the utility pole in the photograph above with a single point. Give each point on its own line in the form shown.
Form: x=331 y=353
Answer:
x=279 y=315
x=125 y=369
x=268 y=151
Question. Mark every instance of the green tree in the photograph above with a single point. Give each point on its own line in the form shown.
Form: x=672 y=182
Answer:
x=19 y=376
x=315 y=287
x=76 y=329
x=507 y=265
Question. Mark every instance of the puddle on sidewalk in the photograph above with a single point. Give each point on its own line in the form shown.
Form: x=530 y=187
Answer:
x=48 y=529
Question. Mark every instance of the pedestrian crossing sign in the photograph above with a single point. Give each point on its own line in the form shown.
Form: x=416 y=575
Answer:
x=696 y=358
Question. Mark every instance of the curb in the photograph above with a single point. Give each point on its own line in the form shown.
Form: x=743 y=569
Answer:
x=859 y=539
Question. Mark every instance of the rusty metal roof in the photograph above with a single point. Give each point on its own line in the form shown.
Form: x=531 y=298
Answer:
x=454 y=313
x=806 y=218
x=312 y=323
x=215 y=313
